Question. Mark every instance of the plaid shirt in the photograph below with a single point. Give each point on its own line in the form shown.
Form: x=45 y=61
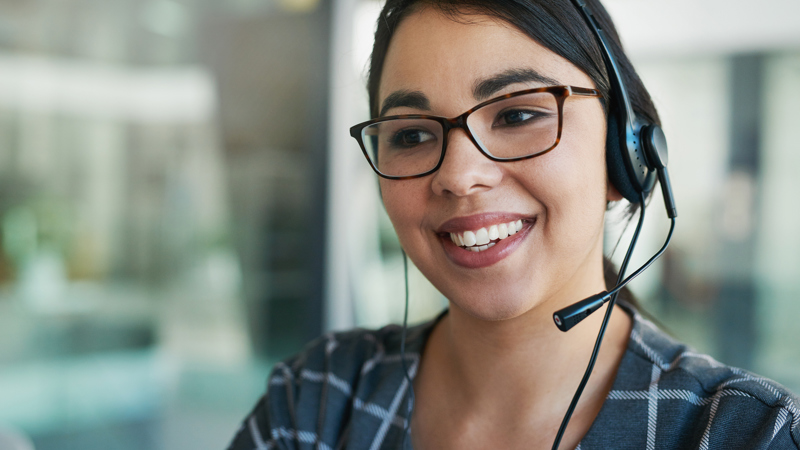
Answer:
x=348 y=391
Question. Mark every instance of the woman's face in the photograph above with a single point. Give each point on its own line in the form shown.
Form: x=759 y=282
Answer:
x=559 y=197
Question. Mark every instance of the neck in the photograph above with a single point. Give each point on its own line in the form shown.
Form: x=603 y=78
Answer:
x=522 y=370
x=528 y=353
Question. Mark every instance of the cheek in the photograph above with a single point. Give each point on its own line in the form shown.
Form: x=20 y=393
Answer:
x=404 y=204
x=584 y=160
x=572 y=184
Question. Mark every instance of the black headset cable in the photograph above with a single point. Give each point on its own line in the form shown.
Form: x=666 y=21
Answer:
x=602 y=331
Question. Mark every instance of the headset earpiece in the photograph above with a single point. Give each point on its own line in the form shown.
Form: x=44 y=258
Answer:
x=627 y=162
x=654 y=144
x=615 y=164
x=640 y=171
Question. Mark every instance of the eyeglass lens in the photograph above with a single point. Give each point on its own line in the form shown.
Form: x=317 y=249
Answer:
x=515 y=127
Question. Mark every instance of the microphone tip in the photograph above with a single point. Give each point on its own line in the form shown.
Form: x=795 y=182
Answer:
x=568 y=317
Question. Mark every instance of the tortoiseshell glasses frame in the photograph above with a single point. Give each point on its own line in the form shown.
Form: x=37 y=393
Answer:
x=559 y=95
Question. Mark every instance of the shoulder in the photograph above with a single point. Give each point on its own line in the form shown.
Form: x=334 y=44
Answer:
x=347 y=359
x=346 y=350
x=680 y=398
x=338 y=378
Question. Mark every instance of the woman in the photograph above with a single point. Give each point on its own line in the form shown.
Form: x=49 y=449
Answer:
x=508 y=243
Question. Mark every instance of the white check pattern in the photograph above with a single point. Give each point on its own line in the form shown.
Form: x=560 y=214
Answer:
x=348 y=391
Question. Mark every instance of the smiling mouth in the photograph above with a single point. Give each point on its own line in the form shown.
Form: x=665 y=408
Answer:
x=485 y=238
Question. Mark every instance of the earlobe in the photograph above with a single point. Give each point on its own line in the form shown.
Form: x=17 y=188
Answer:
x=612 y=194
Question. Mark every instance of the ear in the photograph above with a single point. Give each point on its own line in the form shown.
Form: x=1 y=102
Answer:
x=612 y=194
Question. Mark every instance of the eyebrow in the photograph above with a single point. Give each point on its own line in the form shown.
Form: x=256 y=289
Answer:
x=410 y=99
x=484 y=89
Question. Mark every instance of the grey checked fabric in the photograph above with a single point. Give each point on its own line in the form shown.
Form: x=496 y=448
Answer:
x=348 y=391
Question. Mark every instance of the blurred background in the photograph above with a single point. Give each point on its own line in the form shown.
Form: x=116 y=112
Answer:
x=181 y=205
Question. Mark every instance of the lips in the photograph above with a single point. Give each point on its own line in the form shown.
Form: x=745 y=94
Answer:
x=485 y=239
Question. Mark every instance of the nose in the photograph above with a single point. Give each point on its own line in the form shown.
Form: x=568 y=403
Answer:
x=465 y=170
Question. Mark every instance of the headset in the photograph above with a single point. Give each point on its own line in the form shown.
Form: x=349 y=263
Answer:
x=636 y=155
x=642 y=147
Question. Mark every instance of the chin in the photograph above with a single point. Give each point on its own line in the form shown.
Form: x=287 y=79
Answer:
x=493 y=307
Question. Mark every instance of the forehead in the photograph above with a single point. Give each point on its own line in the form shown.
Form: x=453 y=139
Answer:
x=447 y=57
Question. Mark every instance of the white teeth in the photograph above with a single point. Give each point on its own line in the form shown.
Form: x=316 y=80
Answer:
x=480 y=248
x=502 y=230
x=494 y=233
x=512 y=228
x=482 y=236
x=469 y=239
x=456 y=238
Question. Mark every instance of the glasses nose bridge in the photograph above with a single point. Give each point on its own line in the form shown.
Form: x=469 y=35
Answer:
x=455 y=122
x=459 y=122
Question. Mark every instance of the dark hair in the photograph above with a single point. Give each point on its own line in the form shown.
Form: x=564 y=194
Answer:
x=555 y=24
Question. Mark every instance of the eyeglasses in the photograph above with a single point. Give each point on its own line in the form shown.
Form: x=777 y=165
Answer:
x=511 y=127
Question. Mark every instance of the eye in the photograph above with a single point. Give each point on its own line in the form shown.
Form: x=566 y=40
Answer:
x=517 y=117
x=411 y=137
